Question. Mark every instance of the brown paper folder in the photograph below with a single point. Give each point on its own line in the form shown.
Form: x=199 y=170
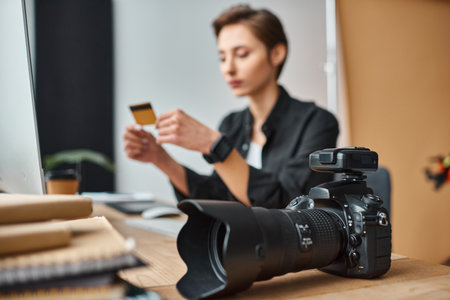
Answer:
x=27 y=237
x=18 y=208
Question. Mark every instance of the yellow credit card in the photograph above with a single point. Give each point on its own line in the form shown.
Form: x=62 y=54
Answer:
x=143 y=113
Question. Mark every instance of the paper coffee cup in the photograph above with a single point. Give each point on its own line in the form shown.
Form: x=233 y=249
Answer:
x=61 y=182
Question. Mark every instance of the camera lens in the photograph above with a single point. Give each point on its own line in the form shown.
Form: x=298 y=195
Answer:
x=227 y=246
x=298 y=240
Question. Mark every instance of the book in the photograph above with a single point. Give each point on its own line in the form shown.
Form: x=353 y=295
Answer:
x=95 y=248
x=18 y=208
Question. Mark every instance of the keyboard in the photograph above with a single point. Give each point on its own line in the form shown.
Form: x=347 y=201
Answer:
x=164 y=226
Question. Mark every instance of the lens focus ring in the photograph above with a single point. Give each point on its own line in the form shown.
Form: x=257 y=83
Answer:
x=325 y=237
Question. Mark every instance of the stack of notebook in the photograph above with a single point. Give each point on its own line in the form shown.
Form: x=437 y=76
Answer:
x=43 y=255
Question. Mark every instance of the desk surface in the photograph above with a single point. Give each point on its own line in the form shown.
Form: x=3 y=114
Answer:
x=407 y=278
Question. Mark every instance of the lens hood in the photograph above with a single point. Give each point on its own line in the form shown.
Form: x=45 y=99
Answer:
x=219 y=238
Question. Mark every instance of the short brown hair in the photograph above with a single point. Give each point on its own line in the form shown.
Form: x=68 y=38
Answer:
x=264 y=25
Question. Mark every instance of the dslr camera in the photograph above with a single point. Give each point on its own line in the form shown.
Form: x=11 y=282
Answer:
x=340 y=227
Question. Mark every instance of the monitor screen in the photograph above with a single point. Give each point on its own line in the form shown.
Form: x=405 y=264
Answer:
x=20 y=163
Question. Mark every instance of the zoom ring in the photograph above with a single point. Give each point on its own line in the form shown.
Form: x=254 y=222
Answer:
x=325 y=235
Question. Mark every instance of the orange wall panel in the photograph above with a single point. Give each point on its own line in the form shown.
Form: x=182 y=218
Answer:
x=397 y=62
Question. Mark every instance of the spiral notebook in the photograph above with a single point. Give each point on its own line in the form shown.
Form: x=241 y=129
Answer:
x=95 y=249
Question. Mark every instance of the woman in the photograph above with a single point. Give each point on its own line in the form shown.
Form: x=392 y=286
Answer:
x=260 y=154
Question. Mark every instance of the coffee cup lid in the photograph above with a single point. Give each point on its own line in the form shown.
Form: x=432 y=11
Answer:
x=61 y=174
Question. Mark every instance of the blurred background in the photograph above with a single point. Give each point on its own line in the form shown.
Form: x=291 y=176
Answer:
x=382 y=67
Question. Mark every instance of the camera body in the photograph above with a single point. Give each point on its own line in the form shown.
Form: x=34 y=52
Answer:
x=366 y=226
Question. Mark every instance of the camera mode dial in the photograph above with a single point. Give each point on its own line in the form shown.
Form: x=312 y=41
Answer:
x=301 y=202
x=372 y=201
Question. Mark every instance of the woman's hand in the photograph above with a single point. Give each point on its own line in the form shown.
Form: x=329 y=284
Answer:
x=178 y=128
x=141 y=145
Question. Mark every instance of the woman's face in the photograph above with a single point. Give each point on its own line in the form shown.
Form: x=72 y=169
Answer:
x=244 y=60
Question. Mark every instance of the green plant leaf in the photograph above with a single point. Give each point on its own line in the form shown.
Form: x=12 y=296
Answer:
x=76 y=156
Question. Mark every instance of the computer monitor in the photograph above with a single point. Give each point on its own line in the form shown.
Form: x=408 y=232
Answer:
x=20 y=162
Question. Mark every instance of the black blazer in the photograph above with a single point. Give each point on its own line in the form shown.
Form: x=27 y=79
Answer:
x=293 y=130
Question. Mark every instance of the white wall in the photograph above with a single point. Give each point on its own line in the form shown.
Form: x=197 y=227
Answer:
x=165 y=52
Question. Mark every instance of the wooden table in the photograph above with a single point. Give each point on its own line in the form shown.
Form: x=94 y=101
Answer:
x=407 y=279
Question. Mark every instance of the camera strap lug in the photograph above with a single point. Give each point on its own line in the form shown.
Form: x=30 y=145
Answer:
x=383 y=219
